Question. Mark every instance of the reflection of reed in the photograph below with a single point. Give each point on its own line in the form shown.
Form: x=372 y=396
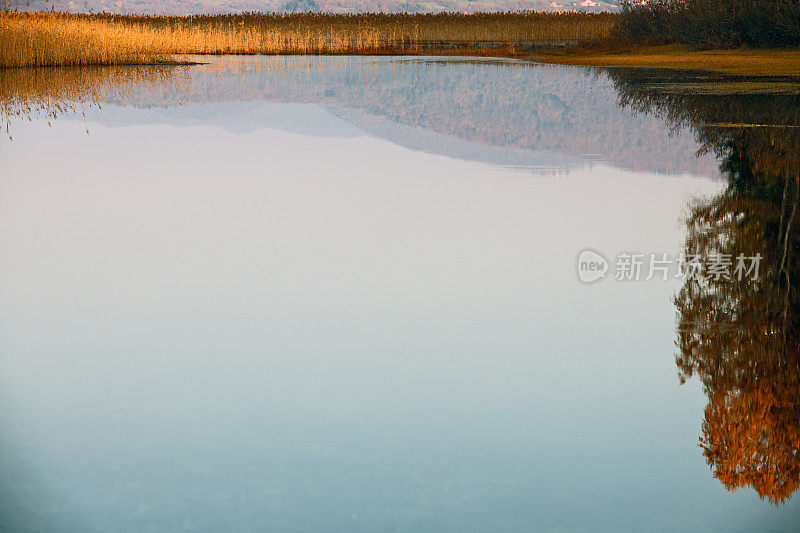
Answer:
x=52 y=91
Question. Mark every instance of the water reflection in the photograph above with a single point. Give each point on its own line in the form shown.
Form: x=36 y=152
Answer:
x=53 y=92
x=500 y=112
x=739 y=336
x=375 y=333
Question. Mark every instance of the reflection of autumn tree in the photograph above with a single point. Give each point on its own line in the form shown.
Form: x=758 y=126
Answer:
x=751 y=435
x=741 y=337
x=762 y=117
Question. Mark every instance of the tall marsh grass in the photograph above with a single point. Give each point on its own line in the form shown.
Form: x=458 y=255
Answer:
x=712 y=23
x=35 y=40
x=60 y=39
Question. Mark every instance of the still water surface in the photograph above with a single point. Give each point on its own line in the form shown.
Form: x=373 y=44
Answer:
x=340 y=294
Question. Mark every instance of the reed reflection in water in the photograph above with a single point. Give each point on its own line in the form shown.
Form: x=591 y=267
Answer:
x=26 y=93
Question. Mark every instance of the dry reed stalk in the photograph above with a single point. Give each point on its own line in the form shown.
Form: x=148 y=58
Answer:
x=46 y=39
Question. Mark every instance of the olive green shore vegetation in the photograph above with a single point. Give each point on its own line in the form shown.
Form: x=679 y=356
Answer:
x=661 y=33
x=742 y=62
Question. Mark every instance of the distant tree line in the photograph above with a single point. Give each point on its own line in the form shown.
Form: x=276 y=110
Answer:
x=712 y=23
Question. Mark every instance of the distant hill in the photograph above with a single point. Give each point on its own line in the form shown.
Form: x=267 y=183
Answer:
x=189 y=7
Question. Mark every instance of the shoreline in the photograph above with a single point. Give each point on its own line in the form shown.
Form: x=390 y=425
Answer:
x=741 y=62
x=593 y=40
x=780 y=63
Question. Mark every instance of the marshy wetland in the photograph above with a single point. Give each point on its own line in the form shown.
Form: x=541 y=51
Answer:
x=743 y=37
x=340 y=293
x=60 y=39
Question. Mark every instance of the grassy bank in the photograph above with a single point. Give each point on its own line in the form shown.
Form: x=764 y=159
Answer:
x=758 y=62
x=55 y=39
x=744 y=37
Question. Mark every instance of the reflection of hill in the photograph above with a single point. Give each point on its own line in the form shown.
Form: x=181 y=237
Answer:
x=422 y=139
x=506 y=105
x=309 y=119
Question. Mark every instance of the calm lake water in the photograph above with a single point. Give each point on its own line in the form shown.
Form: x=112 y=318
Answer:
x=341 y=294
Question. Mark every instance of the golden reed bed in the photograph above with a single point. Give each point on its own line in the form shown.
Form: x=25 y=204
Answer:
x=58 y=39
